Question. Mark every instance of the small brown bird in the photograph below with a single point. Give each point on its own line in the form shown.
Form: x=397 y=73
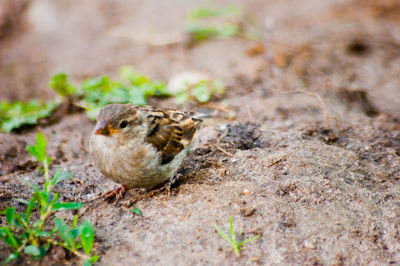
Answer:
x=141 y=146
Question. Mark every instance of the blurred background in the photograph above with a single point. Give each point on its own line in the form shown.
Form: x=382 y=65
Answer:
x=318 y=45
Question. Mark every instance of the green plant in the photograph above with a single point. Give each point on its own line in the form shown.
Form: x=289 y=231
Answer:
x=201 y=91
x=14 y=115
x=206 y=22
x=235 y=245
x=30 y=232
x=97 y=92
x=59 y=83
x=209 y=22
x=137 y=211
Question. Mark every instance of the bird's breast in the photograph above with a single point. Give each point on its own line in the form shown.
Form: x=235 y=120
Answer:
x=135 y=164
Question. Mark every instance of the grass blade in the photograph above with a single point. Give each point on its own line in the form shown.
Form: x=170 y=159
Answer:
x=221 y=233
x=248 y=240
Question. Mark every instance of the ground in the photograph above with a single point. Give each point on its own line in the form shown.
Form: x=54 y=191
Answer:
x=310 y=160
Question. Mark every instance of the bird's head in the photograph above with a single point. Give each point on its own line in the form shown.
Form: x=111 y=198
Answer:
x=117 y=120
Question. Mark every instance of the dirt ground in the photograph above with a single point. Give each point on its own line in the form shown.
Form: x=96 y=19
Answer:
x=311 y=159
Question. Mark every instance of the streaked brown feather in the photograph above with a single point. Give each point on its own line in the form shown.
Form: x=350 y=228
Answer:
x=171 y=131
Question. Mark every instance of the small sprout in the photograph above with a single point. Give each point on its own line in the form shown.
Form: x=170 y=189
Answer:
x=137 y=212
x=205 y=23
x=201 y=91
x=200 y=33
x=235 y=245
x=217 y=23
x=39 y=149
x=59 y=83
x=24 y=235
x=205 y=12
x=39 y=152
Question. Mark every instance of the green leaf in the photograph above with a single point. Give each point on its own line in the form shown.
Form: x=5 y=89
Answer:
x=201 y=93
x=65 y=233
x=75 y=233
x=29 y=208
x=37 y=223
x=86 y=233
x=135 y=89
x=87 y=263
x=14 y=115
x=54 y=201
x=23 y=201
x=94 y=259
x=59 y=83
x=101 y=83
x=62 y=206
x=32 y=185
x=206 y=12
x=43 y=250
x=58 y=177
x=181 y=97
x=43 y=234
x=133 y=77
x=75 y=221
x=39 y=149
x=10 y=216
x=201 y=33
x=137 y=96
x=19 y=220
x=137 y=211
x=7 y=236
x=12 y=256
x=44 y=200
x=32 y=250
x=227 y=30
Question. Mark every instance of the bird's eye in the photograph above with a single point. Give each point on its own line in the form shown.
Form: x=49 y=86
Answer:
x=123 y=124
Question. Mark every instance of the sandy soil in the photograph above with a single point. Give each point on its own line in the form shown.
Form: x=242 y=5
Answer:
x=312 y=156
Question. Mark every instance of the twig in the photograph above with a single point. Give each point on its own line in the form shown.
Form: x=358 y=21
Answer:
x=224 y=151
x=218 y=140
x=270 y=57
x=320 y=100
x=280 y=159
x=251 y=118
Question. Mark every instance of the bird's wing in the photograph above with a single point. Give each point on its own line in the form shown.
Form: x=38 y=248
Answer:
x=171 y=131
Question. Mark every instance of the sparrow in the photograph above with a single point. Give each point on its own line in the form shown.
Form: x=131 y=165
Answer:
x=141 y=146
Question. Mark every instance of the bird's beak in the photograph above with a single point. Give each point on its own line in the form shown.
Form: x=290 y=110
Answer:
x=103 y=128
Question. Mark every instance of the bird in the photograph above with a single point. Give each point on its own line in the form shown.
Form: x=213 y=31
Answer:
x=141 y=146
